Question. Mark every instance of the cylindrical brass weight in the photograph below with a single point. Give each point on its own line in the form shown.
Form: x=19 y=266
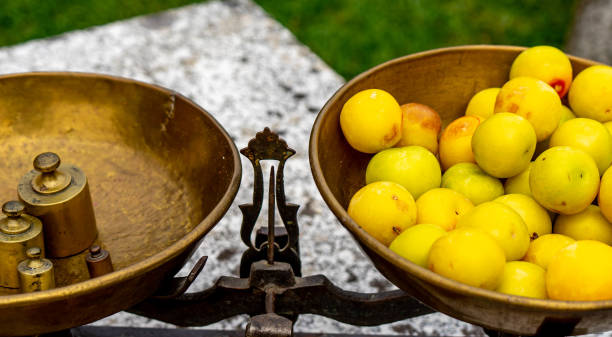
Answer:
x=98 y=261
x=59 y=196
x=18 y=232
x=36 y=273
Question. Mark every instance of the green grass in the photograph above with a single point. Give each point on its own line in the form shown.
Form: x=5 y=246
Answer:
x=22 y=20
x=354 y=35
x=350 y=35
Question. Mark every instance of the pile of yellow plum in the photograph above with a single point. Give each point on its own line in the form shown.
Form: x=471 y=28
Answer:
x=515 y=196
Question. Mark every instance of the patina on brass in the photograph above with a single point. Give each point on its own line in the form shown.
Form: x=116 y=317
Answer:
x=444 y=79
x=18 y=232
x=59 y=196
x=36 y=273
x=161 y=171
x=98 y=261
x=71 y=269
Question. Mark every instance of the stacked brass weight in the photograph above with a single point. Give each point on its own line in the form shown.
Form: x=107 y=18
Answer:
x=18 y=232
x=58 y=194
x=35 y=273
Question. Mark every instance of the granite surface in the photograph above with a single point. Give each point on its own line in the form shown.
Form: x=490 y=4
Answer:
x=249 y=72
x=592 y=31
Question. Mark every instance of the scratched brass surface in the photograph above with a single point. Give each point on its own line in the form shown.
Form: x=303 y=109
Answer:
x=160 y=169
x=444 y=79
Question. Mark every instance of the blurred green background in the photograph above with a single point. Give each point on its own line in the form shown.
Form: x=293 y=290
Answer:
x=350 y=35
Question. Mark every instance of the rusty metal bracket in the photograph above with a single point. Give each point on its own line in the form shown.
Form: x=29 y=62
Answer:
x=231 y=296
x=178 y=285
x=269 y=146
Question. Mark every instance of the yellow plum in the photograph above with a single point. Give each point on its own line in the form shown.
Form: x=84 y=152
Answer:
x=421 y=126
x=371 y=121
x=383 y=209
x=590 y=95
x=545 y=63
x=581 y=271
x=456 y=141
x=504 y=144
x=471 y=181
x=468 y=255
x=501 y=222
x=523 y=279
x=483 y=103
x=442 y=207
x=563 y=179
x=534 y=100
x=587 y=135
x=402 y=165
x=543 y=249
x=415 y=242
x=589 y=224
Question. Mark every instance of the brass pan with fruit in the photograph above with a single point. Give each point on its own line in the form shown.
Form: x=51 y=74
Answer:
x=491 y=222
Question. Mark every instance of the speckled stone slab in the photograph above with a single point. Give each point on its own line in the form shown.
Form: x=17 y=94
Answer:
x=249 y=72
x=592 y=31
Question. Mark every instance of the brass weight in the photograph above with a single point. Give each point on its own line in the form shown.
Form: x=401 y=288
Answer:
x=98 y=261
x=18 y=232
x=36 y=273
x=59 y=196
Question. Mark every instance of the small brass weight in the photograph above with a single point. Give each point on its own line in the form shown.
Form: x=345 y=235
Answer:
x=18 y=232
x=36 y=273
x=98 y=261
x=59 y=196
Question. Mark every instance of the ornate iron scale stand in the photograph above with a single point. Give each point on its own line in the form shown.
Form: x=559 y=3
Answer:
x=271 y=289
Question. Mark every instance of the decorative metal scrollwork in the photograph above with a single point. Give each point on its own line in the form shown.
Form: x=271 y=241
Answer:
x=267 y=145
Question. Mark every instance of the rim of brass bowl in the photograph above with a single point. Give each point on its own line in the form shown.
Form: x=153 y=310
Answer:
x=386 y=253
x=154 y=261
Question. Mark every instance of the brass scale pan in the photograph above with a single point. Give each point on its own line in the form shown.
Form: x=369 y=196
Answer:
x=444 y=79
x=161 y=171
